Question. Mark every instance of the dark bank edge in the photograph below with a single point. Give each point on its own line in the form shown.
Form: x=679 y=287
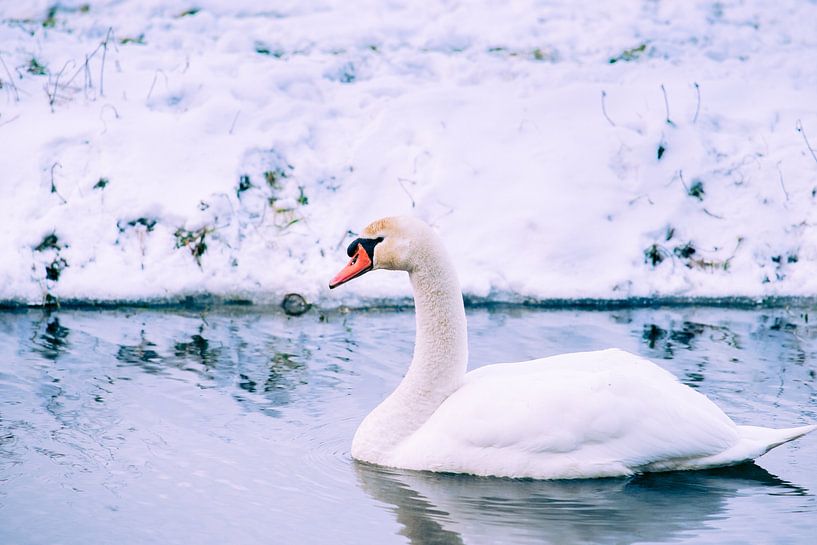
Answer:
x=211 y=302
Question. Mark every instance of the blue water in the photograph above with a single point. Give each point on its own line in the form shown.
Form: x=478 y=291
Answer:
x=145 y=426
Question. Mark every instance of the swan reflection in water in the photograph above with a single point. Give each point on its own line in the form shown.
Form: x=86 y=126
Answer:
x=438 y=508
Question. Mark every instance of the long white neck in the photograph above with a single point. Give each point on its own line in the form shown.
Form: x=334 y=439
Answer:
x=437 y=368
x=441 y=346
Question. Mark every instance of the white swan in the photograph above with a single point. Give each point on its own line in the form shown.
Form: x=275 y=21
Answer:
x=589 y=414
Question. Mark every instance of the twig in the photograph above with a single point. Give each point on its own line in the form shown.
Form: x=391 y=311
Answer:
x=400 y=181
x=642 y=196
x=153 y=84
x=441 y=216
x=698 y=105
x=102 y=115
x=52 y=96
x=53 y=185
x=88 y=57
x=102 y=68
x=10 y=120
x=87 y=81
x=112 y=107
x=666 y=104
x=232 y=127
x=604 y=108
x=782 y=186
x=11 y=80
x=802 y=131
x=82 y=68
x=713 y=215
x=85 y=68
x=683 y=183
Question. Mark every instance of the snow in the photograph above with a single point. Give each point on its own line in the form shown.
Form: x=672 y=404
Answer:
x=503 y=124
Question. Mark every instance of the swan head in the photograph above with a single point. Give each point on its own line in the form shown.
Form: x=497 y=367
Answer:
x=395 y=243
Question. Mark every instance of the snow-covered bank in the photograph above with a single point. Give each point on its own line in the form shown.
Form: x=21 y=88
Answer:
x=154 y=150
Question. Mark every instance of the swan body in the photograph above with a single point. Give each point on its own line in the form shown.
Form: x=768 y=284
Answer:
x=589 y=414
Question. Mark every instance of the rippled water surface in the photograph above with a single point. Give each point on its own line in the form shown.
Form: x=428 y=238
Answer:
x=137 y=427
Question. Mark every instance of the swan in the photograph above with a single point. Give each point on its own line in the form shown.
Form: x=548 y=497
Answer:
x=605 y=413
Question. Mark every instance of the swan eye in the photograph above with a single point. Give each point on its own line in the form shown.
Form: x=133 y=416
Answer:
x=367 y=243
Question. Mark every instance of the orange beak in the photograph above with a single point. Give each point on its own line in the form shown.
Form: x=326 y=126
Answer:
x=358 y=265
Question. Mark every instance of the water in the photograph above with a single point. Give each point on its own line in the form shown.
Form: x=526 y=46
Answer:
x=138 y=427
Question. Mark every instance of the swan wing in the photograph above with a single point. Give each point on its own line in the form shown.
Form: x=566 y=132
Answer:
x=587 y=414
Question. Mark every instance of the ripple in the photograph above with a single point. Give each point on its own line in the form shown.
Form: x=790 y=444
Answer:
x=149 y=426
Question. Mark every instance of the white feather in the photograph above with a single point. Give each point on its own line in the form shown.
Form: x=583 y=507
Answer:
x=590 y=414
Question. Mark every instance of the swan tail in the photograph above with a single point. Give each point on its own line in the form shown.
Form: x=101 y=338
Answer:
x=753 y=442
x=765 y=439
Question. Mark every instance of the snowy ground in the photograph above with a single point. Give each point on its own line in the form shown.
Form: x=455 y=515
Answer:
x=160 y=149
